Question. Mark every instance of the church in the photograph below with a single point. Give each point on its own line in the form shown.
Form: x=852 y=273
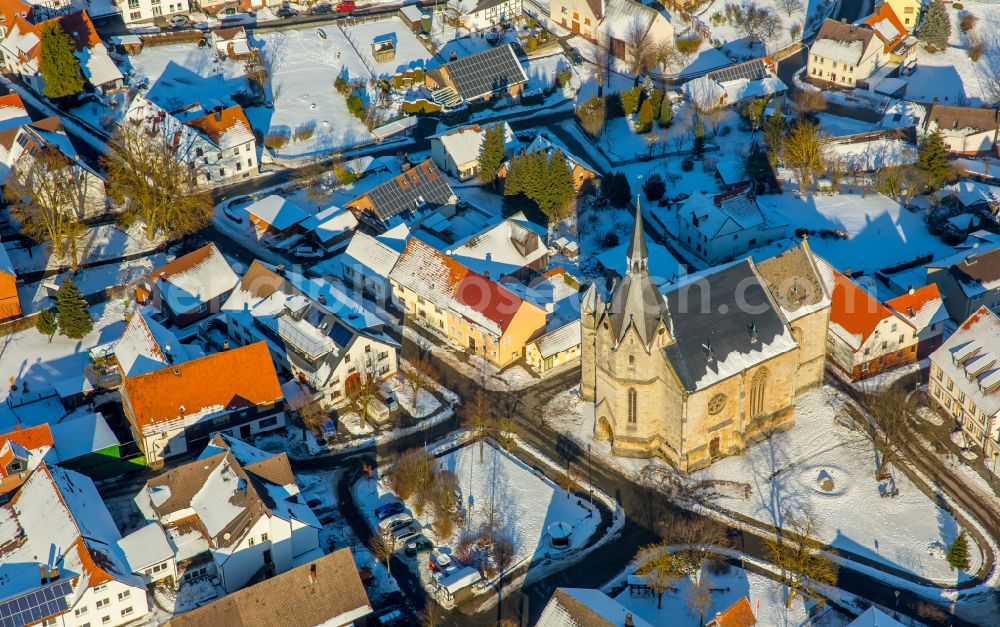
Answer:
x=709 y=366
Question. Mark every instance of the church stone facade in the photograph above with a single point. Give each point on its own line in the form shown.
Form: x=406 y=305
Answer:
x=708 y=367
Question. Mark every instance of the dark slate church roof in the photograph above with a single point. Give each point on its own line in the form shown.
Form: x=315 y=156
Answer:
x=723 y=322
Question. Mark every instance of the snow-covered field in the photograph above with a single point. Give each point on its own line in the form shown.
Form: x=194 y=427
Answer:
x=181 y=74
x=873 y=155
x=102 y=242
x=807 y=14
x=909 y=532
x=410 y=51
x=528 y=504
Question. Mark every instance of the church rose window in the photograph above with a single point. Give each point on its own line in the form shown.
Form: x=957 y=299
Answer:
x=716 y=403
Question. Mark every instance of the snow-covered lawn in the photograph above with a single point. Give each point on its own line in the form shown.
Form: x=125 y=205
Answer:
x=873 y=155
x=102 y=242
x=880 y=232
x=807 y=15
x=527 y=503
x=410 y=51
x=909 y=532
x=728 y=587
x=181 y=74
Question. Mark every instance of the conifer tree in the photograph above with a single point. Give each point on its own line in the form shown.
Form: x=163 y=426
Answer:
x=958 y=552
x=630 y=100
x=560 y=184
x=657 y=101
x=47 y=323
x=802 y=152
x=936 y=28
x=74 y=319
x=491 y=153
x=774 y=135
x=58 y=65
x=666 y=113
x=932 y=159
x=698 y=145
x=645 y=117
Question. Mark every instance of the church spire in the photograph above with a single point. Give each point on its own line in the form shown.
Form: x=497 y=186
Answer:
x=637 y=253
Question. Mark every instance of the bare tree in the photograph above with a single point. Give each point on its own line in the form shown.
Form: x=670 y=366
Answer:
x=795 y=552
x=152 y=176
x=600 y=70
x=890 y=412
x=640 y=50
x=420 y=375
x=699 y=597
x=756 y=23
x=789 y=6
x=313 y=416
x=382 y=547
x=477 y=415
x=364 y=391
x=48 y=197
x=310 y=178
x=694 y=538
x=412 y=472
x=445 y=502
x=659 y=569
x=802 y=152
x=431 y=615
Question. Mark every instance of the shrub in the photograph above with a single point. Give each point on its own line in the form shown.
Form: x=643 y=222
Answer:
x=645 y=117
x=967 y=22
x=957 y=6
x=630 y=100
x=563 y=77
x=654 y=187
x=340 y=84
x=418 y=75
x=276 y=141
x=688 y=45
x=355 y=105
x=420 y=106
x=304 y=132
x=687 y=164
x=976 y=48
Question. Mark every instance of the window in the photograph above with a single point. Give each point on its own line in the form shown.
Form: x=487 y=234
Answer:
x=633 y=403
x=239 y=166
x=631 y=360
x=105 y=620
x=127 y=611
x=250 y=542
x=268 y=422
x=124 y=595
x=102 y=602
x=134 y=15
x=249 y=163
x=222 y=171
x=263 y=537
x=758 y=387
x=80 y=611
x=236 y=150
x=101 y=587
x=50 y=622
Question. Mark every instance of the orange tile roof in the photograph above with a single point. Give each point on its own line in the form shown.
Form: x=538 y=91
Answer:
x=916 y=300
x=77 y=25
x=31 y=438
x=854 y=309
x=885 y=12
x=11 y=100
x=183 y=264
x=227 y=118
x=739 y=615
x=240 y=377
x=11 y=9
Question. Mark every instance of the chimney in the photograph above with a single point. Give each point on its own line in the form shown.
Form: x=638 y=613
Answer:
x=406 y=166
x=911 y=290
x=628 y=619
x=312 y=574
x=218 y=115
x=225 y=345
x=42 y=574
x=53 y=573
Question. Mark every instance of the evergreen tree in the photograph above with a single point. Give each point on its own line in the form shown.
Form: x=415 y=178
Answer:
x=774 y=135
x=698 y=145
x=58 y=65
x=645 y=117
x=46 y=323
x=932 y=159
x=958 y=552
x=758 y=168
x=936 y=28
x=666 y=113
x=657 y=101
x=74 y=319
x=560 y=184
x=491 y=153
x=616 y=189
x=630 y=101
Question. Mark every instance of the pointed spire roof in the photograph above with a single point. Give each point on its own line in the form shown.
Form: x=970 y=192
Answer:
x=637 y=246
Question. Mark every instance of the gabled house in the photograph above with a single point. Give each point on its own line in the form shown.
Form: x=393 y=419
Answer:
x=843 y=54
x=146 y=346
x=245 y=508
x=276 y=216
x=22 y=52
x=865 y=336
x=10 y=302
x=178 y=408
x=150 y=554
x=331 y=229
x=578 y=16
x=965 y=381
x=137 y=12
x=907 y=11
x=585 y=177
x=218 y=144
x=887 y=28
x=315 y=332
x=21 y=451
x=555 y=348
x=514 y=247
x=968 y=281
x=965 y=130
x=189 y=288
x=477 y=15
x=725 y=226
x=61 y=561
x=924 y=309
x=469 y=308
x=492 y=74
x=366 y=265
x=570 y=607
x=739 y=614
x=231 y=43
x=415 y=193
x=624 y=18
x=457 y=152
x=732 y=85
x=327 y=591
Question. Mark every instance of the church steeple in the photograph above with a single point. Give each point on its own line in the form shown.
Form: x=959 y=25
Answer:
x=638 y=255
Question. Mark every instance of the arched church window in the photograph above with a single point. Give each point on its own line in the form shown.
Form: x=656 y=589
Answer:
x=758 y=387
x=632 y=405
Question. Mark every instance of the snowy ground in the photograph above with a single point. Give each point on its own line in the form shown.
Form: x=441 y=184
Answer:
x=873 y=155
x=529 y=503
x=106 y=241
x=735 y=43
x=181 y=74
x=411 y=53
x=909 y=532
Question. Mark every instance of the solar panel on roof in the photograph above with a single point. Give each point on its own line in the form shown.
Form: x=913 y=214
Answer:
x=36 y=605
x=402 y=193
x=486 y=72
x=751 y=70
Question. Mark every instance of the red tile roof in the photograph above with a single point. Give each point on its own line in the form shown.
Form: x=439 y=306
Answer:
x=496 y=303
x=31 y=438
x=739 y=615
x=214 y=125
x=240 y=377
x=916 y=300
x=855 y=310
x=885 y=12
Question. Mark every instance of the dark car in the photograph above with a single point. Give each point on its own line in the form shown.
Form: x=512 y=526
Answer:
x=575 y=57
x=389 y=509
x=314 y=503
x=321 y=9
x=420 y=544
x=286 y=12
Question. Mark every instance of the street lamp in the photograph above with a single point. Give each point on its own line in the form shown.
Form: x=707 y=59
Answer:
x=896 y=608
x=590 y=473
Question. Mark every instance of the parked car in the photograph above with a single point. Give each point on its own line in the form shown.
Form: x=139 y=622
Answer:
x=286 y=12
x=441 y=563
x=314 y=503
x=307 y=252
x=389 y=509
x=418 y=545
x=406 y=534
x=321 y=9
x=575 y=57
x=390 y=400
x=346 y=6
x=392 y=523
x=391 y=617
x=237 y=19
x=178 y=20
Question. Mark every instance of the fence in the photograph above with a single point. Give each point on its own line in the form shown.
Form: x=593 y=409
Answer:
x=175 y=37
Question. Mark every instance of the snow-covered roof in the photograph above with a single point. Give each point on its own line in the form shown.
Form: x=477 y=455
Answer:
x=704 y=92
x=731 y=171
x=460 y=579
x=573 y=607
x=278 y=212
x=724 y=214
x=330 y=223
x=193 y=280
x=146 y=547
x=621 y=16
x=81 y=435
x=544 y=143
x=463 y=144
x=839 y=51
x=562 y=339
x=502 y=249
x=146 y=345
x=874 y=617
x=412 y=12
x=969 y=193
x=97 y=66
x=971 y=359
x=370 y=255
x=921 y=308
x=226 y=128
